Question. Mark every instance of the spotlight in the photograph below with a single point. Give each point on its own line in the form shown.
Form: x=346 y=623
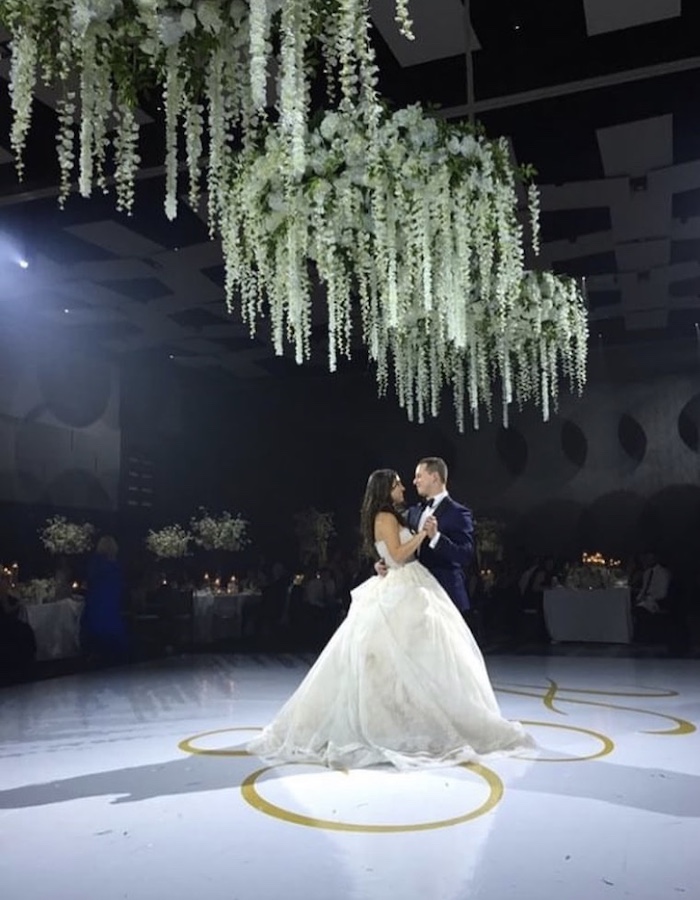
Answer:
x=23 y=264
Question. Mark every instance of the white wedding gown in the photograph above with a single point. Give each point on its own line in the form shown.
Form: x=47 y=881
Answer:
x=402 y=681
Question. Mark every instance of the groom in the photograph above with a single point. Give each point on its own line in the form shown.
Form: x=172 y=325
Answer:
x=449 y=548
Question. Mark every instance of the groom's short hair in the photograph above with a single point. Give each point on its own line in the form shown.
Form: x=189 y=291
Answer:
x=435 y=464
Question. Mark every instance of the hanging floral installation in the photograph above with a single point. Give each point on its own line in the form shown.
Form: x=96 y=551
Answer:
x=419 y=219
x=211 y=60
x=410 y=224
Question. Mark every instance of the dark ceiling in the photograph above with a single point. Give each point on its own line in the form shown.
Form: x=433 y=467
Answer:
x=602 y=97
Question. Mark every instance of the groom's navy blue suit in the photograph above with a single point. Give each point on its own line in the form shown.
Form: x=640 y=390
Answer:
x=453 y=552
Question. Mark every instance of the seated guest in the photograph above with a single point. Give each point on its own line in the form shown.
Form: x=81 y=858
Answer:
x=539 y=578
x=651 y=601
x=17 y=642
x=103 y=633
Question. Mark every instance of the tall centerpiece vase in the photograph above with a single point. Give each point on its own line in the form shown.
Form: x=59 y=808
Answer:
x=170 y=547
x=68 y=542
x=314 y=530
x=219 y=537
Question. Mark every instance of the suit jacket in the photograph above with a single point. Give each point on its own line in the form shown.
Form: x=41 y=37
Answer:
x=454 y=550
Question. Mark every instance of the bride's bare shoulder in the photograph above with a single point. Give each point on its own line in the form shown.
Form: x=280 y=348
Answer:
x=385 y=521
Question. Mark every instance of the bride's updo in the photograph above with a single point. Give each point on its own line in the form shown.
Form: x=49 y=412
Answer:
x=377 y=499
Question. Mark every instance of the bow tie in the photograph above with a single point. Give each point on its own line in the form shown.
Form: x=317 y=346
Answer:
x=428 y=503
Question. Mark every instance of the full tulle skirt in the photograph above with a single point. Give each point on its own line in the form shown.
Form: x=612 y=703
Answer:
x=402 y=681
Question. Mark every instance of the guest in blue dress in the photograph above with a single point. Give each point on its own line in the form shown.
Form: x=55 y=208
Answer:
x=103 y=633
x=17 y=642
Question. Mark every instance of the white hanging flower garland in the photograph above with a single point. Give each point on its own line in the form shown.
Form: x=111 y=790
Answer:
x=427 y=237
x=201 y=54
x=415 y=218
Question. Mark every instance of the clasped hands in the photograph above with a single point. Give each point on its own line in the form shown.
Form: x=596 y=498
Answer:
x=430 y=527
x=429 y=530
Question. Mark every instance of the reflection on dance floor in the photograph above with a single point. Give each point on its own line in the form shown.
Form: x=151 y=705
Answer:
x=139 y=778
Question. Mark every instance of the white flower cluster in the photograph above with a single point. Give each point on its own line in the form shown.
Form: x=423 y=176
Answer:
x=222 y=532
x=171 y=542
x=218 y=54
x=418 y=218
x=37 y=590
x=594 y=577
x=60 y=536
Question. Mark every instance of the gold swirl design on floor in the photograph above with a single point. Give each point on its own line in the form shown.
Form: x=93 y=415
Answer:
x=607 y=743
x=552 y=695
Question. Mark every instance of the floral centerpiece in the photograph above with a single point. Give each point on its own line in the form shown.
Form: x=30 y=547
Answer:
x=596 y=572
x=223 y=532
x=65 y=538
x=170 y=542
x=314 y=530
x=37 y=590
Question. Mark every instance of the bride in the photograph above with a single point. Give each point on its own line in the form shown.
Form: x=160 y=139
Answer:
x=402 y=681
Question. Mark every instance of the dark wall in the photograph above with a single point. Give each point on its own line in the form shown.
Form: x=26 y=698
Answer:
x=616 y=470
x=59 y=419
x=59 y=434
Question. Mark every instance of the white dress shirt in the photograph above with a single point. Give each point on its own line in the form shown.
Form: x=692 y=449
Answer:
x=428 y=511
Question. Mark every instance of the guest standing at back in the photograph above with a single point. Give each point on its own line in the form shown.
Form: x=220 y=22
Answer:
x=103 y=633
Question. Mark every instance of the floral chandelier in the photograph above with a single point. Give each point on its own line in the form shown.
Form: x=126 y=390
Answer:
x=213 y=62
x=418 y=219
x=409 y=223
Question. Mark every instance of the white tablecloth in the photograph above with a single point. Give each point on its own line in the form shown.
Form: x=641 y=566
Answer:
x=56 y=627
x=603 y=616
x=218 y=616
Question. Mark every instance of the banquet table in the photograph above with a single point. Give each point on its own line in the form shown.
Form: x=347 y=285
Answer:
x=595 y=616
x=56 y=627
x=220 y=615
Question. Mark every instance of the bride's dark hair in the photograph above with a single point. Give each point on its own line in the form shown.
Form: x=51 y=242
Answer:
x=377 y=499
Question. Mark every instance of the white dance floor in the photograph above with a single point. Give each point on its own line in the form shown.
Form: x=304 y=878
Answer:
x=130 y=783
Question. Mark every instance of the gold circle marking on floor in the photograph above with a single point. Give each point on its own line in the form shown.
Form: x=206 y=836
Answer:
x=608 y=745
x=249 y=790
x=186 y=745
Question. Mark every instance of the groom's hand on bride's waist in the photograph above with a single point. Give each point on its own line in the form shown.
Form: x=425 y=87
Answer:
x=381 y=568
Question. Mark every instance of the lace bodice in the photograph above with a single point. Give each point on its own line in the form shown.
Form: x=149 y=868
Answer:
x=405 y=535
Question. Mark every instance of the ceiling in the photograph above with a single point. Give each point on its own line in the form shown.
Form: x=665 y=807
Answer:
x=602 y=97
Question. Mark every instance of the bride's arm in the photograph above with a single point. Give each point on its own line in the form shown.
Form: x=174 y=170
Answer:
x=386 y=528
